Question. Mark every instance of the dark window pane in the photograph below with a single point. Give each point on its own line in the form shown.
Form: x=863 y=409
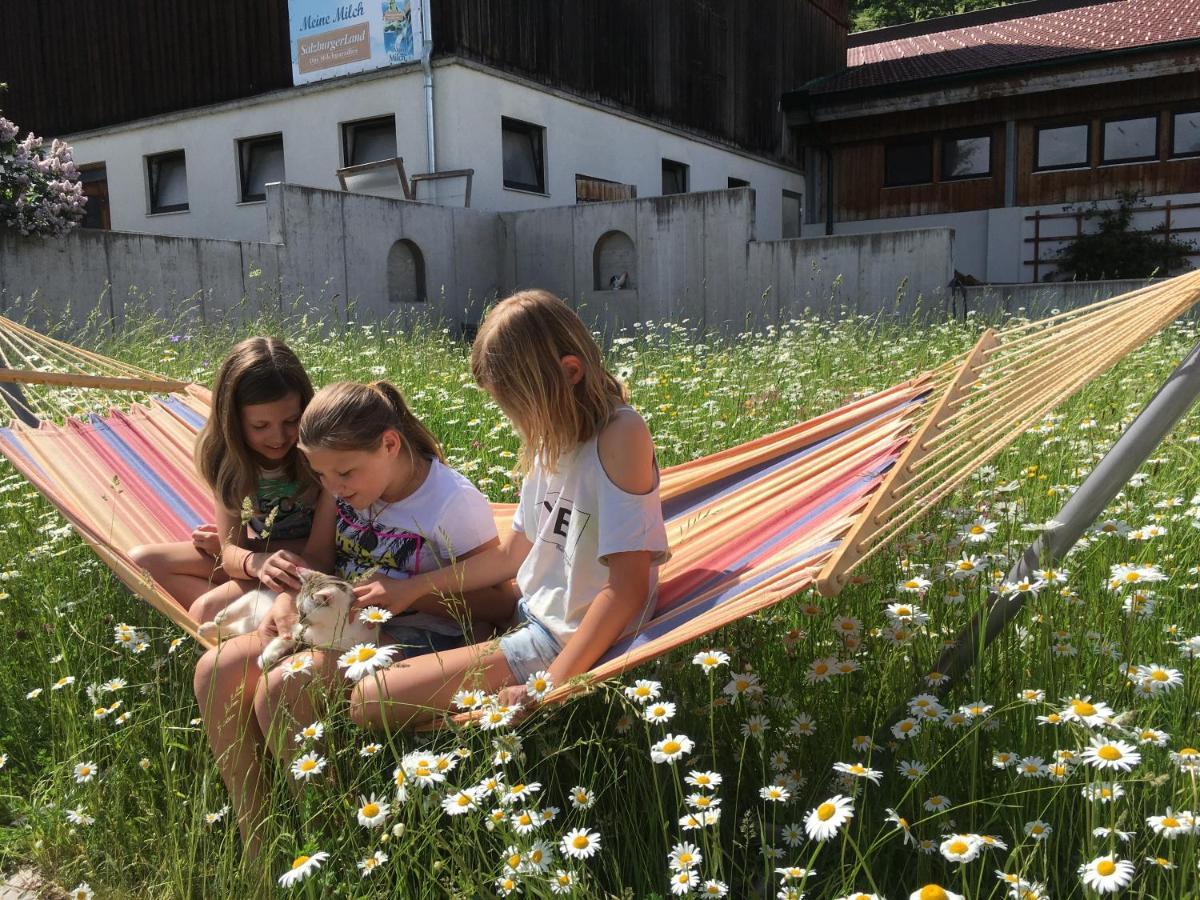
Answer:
x=674 y=177
x=262 y=163
x=524 y=161
x=1131 y=139
x=168 y=182
x=1186 y=140
x=370 y=141
x=966 y=157
x=737 y=182
x=908 y=163
x=94 y=178
x=1063 y=146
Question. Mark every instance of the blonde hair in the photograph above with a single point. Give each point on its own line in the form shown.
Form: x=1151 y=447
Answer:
x=517 y=356
x=257 y=370
x=351 y=416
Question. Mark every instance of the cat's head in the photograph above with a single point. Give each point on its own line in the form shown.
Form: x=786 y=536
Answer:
x=320 y=589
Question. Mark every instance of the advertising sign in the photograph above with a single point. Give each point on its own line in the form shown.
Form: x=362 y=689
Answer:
x=330 y=38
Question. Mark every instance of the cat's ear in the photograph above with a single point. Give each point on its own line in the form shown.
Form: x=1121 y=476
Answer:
x=324 y=596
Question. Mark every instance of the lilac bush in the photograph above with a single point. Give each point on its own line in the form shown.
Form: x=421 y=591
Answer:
x=40 y=192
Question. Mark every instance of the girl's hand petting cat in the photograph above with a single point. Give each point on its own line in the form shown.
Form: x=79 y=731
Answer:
x=379 y=590
x=280 y=619
x=281 y=571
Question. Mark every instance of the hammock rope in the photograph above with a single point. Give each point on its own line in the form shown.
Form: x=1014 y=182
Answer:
x=750 y=525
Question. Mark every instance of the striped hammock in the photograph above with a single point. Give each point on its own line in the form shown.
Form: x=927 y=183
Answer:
x=749 y=526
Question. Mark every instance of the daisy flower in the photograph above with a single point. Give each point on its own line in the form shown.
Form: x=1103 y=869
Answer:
x=707 y=781
x=802 y=725
x=580 y=843
x=79 y=816
x=961 y=848
x=363 y=659
x=562 y=882
x=936 y=803
x=372 y=813
x=934 y=892
x=671 y=748
x=858 y=770
x=298 y=664
x=520 y=791
x=539 y=684
x=710 y=660
x=461 y=802
x=775 y=793
x=582 y=797
x=911 y=769
x=302 y=866
x=85 y=772
x=1161 y=679
x=824 y=821
x=1170 y=825
x=978 y=532
x=1106 y=874
x=311 y=732
x=742 y=683
x=368 y=750
x=914 y=585
x=506 y=885
x=62 y=682
x=684 y=881
x=368 y=865
x=659 y=712
x=1083 y=710
x=713 y=888
x=1114 y=754
x=306 y=766
x=374 y=615
x=81 y=891
x=643 y=690
x=468 y=700
x=537 y=859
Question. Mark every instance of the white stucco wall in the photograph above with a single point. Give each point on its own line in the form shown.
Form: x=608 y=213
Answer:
x=581 y=137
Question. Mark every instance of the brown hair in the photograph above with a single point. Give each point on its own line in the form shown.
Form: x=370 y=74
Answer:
x=257 y=370
x=351 y=416
x=517 y=356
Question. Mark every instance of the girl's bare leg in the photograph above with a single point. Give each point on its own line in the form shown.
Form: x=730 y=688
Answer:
x=418 y=690
x=183 y=571
x=207 y=605
x=225 y=682
x=283 y=706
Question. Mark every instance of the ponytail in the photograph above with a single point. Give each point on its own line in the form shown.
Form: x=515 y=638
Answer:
x=352 y=416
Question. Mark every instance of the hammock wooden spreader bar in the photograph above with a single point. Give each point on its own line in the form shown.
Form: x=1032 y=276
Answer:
x=1002 y=387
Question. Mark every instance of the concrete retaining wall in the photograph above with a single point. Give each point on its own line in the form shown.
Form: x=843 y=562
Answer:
x=1038 y=300
x=691 y=256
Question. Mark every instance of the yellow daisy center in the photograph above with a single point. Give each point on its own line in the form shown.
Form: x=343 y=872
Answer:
x=371 y=810
x=299 y=861
x=1109 y=752
x=1106 y=867
x=1159 y=675
x=825 y=811
x=1170 y=822
x=1083 y=708
x=933 y=892
x=580 y=841
x=958 y=847
x=308 y=765
x=671 y=747
x=364 y=654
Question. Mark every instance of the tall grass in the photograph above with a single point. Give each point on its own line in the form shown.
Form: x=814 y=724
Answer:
x=157 y=799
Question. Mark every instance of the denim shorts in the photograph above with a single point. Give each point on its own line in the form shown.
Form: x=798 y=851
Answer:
x=529 y=647
x=415 y=641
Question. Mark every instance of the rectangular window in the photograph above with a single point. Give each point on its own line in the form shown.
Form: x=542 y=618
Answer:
x=1130 y=140
x=793 y=210
x=737 y=182
x=589 y=189
x=910 y=162
x=94 y=178
x=674 y=177
x=969 y=156
x=368 y=140
x=1061 y=147
x=524 y=147
x=1185 y=134
x=166 y=176
x=260 y=161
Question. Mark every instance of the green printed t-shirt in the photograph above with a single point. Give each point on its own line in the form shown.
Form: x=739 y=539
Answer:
x=294 y=519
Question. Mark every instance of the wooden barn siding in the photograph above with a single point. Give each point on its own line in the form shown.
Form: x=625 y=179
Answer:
x=858 y=153
x=718 y=66
x=715 y=65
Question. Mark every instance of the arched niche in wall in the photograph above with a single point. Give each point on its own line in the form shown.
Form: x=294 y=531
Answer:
x=406 y=273
x=614 y=262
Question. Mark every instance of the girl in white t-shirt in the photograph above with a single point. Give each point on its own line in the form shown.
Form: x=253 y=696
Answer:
x=390 y=507
x=588 y=534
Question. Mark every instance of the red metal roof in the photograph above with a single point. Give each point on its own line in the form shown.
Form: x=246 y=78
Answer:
x=1115 y=25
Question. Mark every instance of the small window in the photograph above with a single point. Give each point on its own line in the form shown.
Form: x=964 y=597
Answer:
x=674 y=177
x=260 y=161
x=94 y=178
x=369 y=140
x=737 y=182
x=1130 y=140
x=908 y=163
x=524 y=147
x=1185 y=134
x=1062 y=147
x=166 y=174
x=967 y=157
x=589 y=189
x=793 y=209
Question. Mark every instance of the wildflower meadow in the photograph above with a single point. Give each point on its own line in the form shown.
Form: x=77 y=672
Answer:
x=806 y=751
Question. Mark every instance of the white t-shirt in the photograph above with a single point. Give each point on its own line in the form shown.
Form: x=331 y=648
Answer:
x=575 y=518
x=441 y=520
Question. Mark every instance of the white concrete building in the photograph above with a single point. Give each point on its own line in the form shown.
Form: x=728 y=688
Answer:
x=199 y=172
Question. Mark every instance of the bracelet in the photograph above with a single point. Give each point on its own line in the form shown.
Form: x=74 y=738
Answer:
x=246 y=566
